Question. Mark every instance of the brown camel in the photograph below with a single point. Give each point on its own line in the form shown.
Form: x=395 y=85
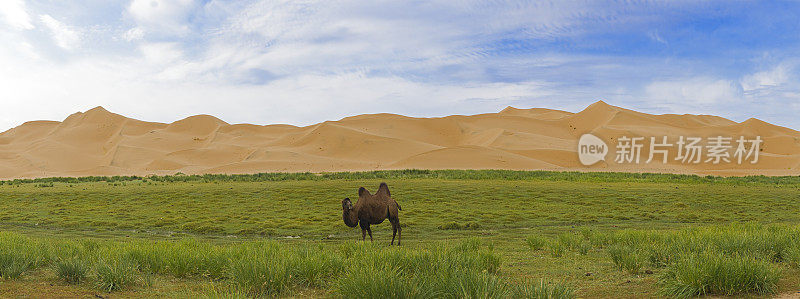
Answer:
x=372 y=209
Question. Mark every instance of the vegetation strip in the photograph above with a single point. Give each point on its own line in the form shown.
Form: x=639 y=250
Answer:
x=452 y=174
x=353 y=270
x=725 y=260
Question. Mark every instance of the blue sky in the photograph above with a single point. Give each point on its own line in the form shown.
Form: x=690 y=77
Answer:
x=302 y=62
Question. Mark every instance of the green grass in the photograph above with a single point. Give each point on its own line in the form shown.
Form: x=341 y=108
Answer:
x=378 y=282
x=12 y=266
x=72 y=270
x=726 y=260
x=19 y=254
x=264 y=272
x=266 y=269
x=185 y=258
x=543 y=290
x=270 y=208
x=491 y=234
x=556 y=249
x=792 y=256
x=488 y=174
x=536 y=242
x=626 y=258
x=714 y=273
x=114 y=274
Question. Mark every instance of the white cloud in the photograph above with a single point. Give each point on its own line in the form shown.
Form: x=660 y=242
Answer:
x=162 y=16
x=694 y=91
x=693 y=95
x=656 y=37
x=64 y=36
x=777 y=76
x=327 y=36
x=134 y=34
x=161 y=54
x=770 y=95
x=14 y=13
x=131 y=88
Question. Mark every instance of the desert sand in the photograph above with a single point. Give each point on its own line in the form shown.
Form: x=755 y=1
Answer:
x=98 y=142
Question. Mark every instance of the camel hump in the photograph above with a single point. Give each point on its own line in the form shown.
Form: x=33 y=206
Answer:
x=384 y=190
x=363 y=192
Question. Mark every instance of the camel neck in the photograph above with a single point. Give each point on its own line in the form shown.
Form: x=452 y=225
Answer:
x=350 y=218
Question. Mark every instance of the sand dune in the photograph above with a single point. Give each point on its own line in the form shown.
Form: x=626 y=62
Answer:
x=98 y=142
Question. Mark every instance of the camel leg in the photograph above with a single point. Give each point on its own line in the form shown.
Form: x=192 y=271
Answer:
x=369 y=230
x=364 y=229
x=396 y=229
x=394 y=232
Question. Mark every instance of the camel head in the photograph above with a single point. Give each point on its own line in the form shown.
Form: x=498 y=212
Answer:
x=349 y=215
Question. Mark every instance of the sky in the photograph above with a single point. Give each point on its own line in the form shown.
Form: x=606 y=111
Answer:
x=302 y=62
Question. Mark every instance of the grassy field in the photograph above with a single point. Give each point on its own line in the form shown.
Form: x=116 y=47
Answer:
x=465 y=234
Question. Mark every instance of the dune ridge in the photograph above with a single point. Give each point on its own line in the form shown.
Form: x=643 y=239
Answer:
x=98 y=142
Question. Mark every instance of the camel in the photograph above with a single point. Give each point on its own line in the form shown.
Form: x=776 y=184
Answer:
x=372 y=209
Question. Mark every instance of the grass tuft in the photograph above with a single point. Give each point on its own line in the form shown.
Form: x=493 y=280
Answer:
x=263 y=272
x=557 y=249
x=728 y=260
x=711 y=273
x=626 y=258
x=72 y=270
x=19 y=254
x=375 y=281
x=536 y=242
x=543 y=290
x=114 y=274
